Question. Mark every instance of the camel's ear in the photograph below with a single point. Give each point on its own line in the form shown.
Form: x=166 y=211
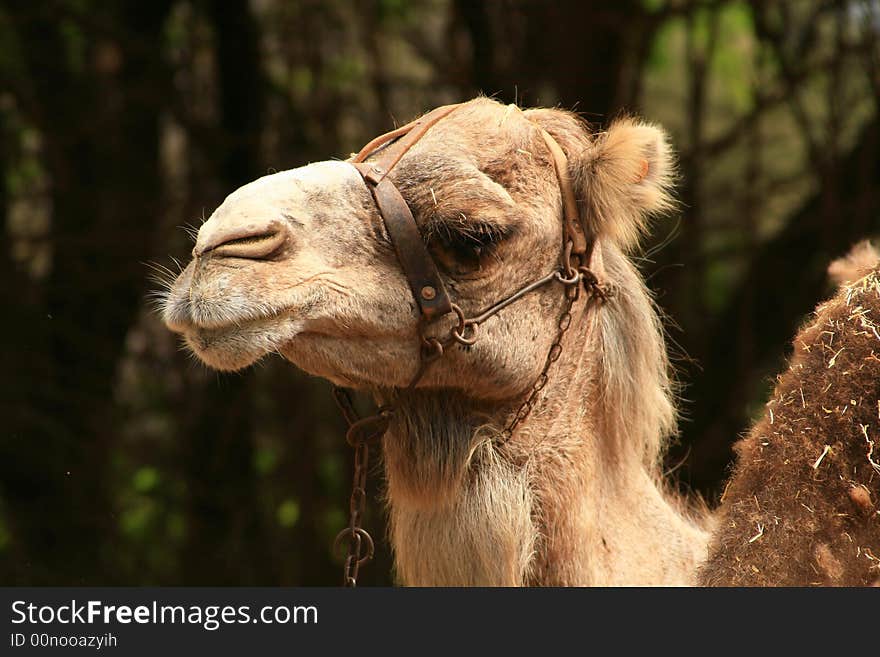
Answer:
x=623 y=179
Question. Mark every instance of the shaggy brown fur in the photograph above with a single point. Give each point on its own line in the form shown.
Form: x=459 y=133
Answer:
x=802 y=505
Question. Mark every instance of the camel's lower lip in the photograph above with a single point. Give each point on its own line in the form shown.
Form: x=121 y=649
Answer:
x=235 y=346
x=181 y=318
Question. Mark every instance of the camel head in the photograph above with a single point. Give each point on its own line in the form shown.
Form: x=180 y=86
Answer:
x=299 y=262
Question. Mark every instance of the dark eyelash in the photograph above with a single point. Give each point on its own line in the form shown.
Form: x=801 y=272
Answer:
x=470 y=232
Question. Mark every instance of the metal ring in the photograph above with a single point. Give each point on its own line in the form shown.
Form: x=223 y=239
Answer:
x=457 y=332
x=364 y=537
x=459 y=337
x=574 y=280
x=461 y=320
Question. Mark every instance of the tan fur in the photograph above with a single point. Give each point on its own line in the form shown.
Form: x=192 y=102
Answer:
x=575 y=496
x=446 y=544
x=800 y=508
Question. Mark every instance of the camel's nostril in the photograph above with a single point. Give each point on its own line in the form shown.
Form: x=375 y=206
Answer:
x=251 y=244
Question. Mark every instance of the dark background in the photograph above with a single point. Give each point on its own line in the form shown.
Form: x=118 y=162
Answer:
x=123 y=461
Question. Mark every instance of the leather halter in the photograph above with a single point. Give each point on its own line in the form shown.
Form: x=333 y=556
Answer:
x=578 y=262
x=416 y=262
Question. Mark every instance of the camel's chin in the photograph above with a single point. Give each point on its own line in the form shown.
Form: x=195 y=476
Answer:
x=224 y=360
x=224 y=353
x=359 y=363
x=309 y=353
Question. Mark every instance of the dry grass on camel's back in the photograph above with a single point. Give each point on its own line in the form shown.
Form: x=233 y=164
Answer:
x=802 y=505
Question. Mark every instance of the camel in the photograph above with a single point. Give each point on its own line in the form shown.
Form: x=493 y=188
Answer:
x=802 y=505
x=299 y=263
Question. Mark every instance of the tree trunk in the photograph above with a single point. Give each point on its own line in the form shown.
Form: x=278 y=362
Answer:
x=533 y=68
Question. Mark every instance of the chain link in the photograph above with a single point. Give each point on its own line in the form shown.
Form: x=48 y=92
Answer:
x=363 y=432
x=572 y=275
x=572 y=293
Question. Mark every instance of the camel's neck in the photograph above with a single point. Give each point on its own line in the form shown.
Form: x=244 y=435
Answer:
x=566 y=501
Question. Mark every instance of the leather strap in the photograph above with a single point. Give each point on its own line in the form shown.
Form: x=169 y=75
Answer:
x=415 y=261
x=406 y=137
x=571 y=224
x=418 y=266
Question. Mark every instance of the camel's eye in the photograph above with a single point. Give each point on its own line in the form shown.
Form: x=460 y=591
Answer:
x=463 y=247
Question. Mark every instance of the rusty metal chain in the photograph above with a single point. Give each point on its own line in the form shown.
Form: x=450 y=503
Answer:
x=361 y=434
x=364 y=432
x=572 y=278
x=572 y=293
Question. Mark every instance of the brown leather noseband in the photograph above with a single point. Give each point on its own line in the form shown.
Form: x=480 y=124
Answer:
x=417 y=264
